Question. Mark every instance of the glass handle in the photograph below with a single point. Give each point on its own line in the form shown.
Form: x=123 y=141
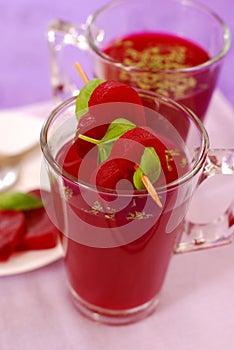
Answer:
x=63 y=40
x=220 y=231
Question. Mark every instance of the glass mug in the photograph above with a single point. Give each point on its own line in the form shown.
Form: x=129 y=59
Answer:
x=192 y=86
x=118 y=244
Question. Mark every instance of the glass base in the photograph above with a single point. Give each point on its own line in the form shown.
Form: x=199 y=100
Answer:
x=114 y=317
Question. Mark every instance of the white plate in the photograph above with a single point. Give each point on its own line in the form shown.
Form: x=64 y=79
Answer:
x=17 y=132
x=30 y=260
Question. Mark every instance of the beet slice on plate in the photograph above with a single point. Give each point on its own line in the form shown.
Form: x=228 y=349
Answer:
x=12 y=226
x=40 y=232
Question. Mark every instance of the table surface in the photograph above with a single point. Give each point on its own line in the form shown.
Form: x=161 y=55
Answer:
x=196 y=309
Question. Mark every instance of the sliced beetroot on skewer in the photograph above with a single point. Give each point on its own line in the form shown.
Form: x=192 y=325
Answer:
x=127 y=104
x=143 y=136
x=91 y=127
x=69 y=160
x=114 y=91
x=130 y=143
x=126 y=156
x=40 y=232
x=109 y=173
x=12 y=227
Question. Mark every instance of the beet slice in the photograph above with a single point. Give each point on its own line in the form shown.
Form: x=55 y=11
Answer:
x=96 y=122
x=126 y=153
x=69 y=160
x=144 y=136
x=128 y=106
x=114 y=91
x=40 y=232
x=91 y=127
x=110 y=172
x=12 y=226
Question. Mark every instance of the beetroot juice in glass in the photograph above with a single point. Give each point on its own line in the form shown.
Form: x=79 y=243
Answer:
x=118 y=242
x=172 y=47
x=118 y=259
x=159 y=60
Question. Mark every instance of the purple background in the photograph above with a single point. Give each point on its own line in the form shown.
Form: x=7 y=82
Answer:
x=24 y=70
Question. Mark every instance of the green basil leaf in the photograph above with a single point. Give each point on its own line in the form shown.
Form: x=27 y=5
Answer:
x=115 y=130
x=82 y=99
x=19 y=201
x=104 y=151
x=150 y=166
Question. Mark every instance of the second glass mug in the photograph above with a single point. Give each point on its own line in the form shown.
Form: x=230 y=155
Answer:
x=117 y=247
x=183 y=18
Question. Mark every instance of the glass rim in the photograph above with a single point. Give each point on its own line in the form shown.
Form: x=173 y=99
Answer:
x=224 y=50
x=201 y=157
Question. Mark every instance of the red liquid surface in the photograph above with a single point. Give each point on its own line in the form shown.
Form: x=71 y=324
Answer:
x=159 y=51
x=125 y=276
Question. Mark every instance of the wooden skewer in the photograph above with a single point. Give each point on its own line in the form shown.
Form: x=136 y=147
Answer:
x=81 y=72
x=151 y=190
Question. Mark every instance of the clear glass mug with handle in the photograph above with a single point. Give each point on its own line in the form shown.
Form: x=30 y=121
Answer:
x=192 y=86
x=118 y=245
